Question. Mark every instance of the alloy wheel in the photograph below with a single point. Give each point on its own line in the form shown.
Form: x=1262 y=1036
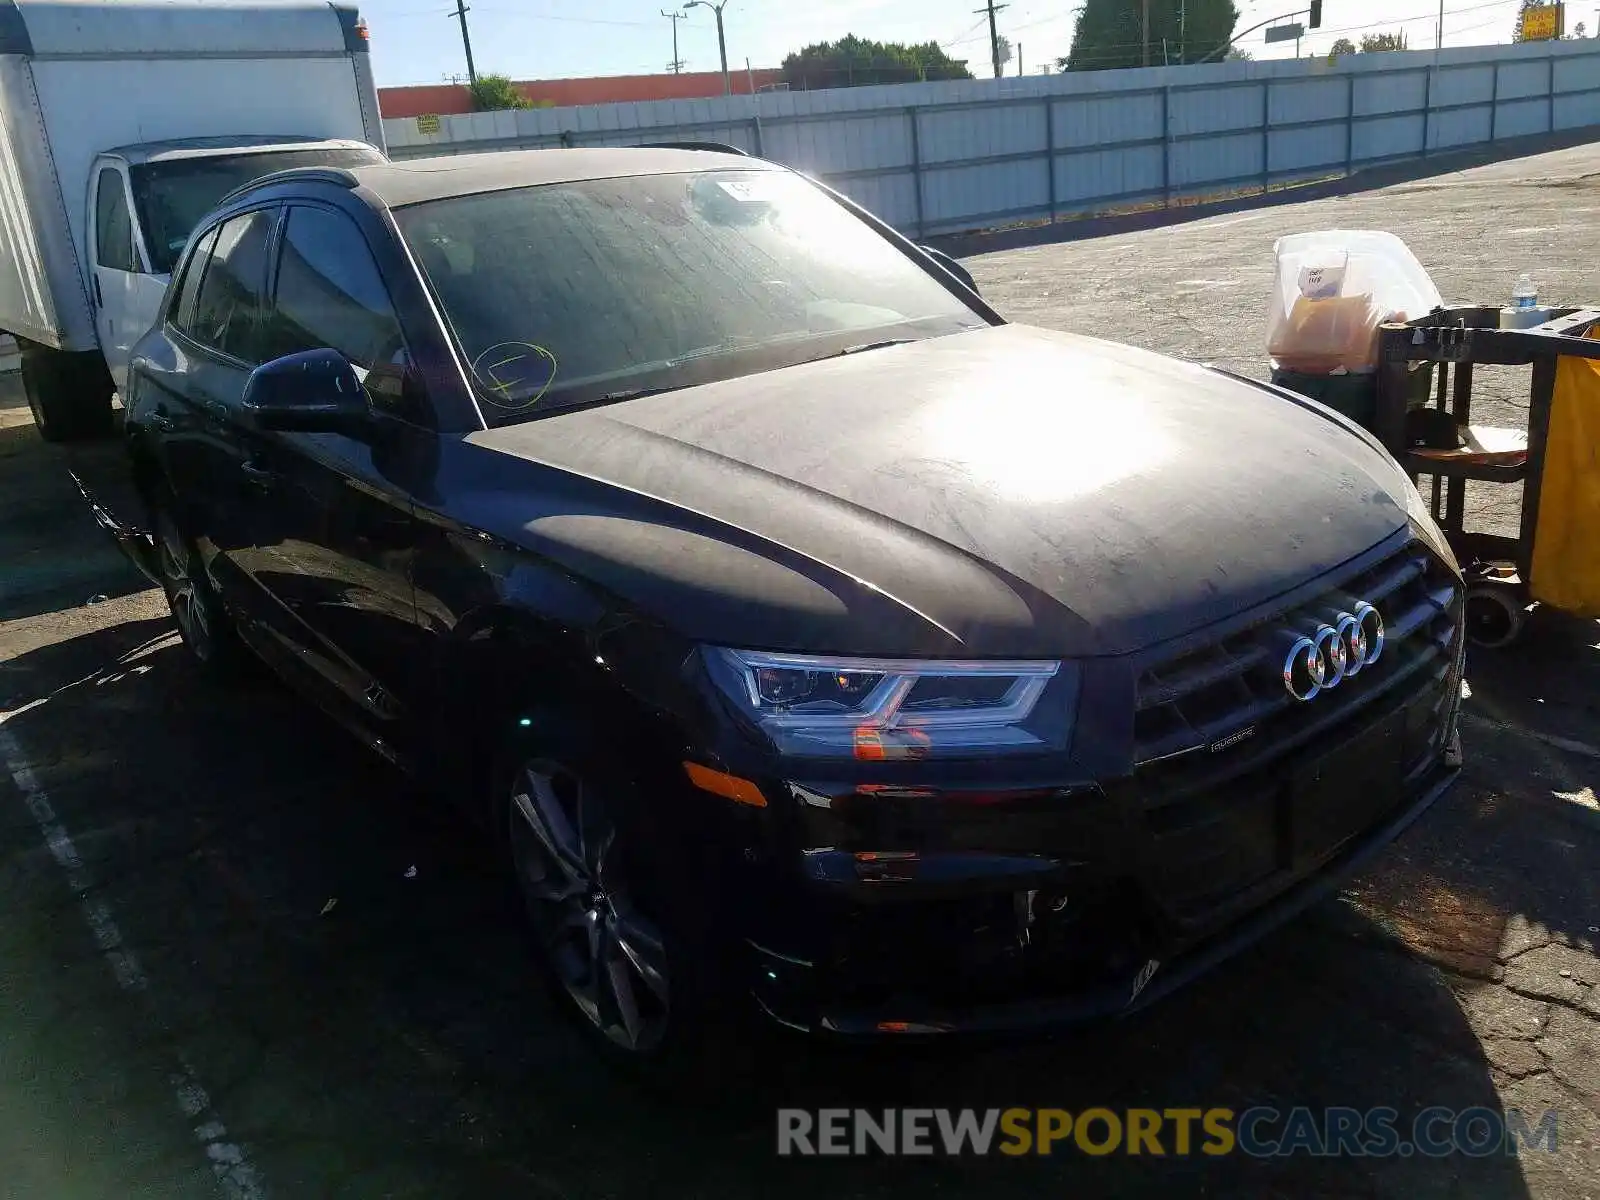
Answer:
x=607 y=955
x=184 y=589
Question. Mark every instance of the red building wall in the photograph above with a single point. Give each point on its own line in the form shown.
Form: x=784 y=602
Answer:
x=445 y=99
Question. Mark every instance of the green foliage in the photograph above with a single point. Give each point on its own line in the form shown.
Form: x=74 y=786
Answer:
x=493 y=92
x=1374 y=43
x=1343 y=46
x=1109 y=34
x=854 y=62
x=1238 y=54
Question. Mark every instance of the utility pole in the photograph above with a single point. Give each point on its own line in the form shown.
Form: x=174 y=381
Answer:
x=994 y=33
x=466 y=41
x=1438 y=37
x=1019 y=58
x=1144 y=24
x=676 y=65
x=722 y=42
x=1183 y=32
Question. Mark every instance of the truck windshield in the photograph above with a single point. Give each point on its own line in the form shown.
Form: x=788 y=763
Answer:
x=174 y=195
x=572 y=294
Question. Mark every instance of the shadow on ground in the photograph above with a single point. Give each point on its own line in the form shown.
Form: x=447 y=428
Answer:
x=52 y=555
x=370 y=1030
x=1528 y=835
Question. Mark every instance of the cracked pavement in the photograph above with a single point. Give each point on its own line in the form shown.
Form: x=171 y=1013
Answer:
x=363 y=1030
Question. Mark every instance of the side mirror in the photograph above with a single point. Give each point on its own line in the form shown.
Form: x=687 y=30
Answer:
x=951 y=265
x=315 y=391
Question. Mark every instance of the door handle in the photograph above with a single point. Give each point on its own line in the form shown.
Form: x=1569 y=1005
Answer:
x=99 y=300
x=258 y=475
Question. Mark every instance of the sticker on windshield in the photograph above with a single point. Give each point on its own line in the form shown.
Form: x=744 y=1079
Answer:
x=515 y=375
x=748 y=191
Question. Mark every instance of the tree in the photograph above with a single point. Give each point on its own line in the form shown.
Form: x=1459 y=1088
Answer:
x=854 y=62
x=1373 y=43
x=493 y=92
x=1577 y=32
x=1238 y=54
x=1109 y=33
x=1005 y=49
x=1516 y=32
x=1343 y=46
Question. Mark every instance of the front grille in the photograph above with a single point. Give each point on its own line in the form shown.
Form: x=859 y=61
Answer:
x=1219 y=711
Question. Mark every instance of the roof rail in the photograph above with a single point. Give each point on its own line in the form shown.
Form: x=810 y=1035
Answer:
x=337 y=176
x=717 y=147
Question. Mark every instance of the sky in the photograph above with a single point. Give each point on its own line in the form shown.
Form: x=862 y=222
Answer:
x=415 y=41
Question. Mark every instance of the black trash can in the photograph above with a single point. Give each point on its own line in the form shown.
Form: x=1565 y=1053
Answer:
x=1355 y=396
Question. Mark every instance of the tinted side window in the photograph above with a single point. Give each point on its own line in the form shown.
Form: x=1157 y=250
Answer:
x=330 y=294
x=182 y=314
x=227 y=313
x=113 y=225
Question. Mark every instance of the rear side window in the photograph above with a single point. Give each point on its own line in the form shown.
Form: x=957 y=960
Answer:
x=182 y=314
x=113 y=224
x=227 y=311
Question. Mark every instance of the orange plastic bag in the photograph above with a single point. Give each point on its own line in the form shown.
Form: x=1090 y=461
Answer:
x=1321 y=336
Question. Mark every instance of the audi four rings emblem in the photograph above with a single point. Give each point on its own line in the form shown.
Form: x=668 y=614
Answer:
x=1333 y=652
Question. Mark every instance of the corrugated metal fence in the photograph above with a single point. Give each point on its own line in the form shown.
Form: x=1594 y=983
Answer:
x=943 y=157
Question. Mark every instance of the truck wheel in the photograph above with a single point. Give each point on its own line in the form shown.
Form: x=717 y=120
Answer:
x=68 y=394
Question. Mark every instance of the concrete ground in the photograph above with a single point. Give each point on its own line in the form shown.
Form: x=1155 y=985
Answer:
x=239 y=955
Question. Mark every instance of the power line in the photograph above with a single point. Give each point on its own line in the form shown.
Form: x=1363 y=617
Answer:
x=518 y=14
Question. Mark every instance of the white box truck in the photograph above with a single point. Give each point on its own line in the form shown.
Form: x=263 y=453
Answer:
x=122 y=123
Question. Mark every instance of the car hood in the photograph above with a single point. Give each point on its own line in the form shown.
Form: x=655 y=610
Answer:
x=1006 y=491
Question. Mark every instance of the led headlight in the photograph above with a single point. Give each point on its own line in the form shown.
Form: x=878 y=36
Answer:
x=893 y=708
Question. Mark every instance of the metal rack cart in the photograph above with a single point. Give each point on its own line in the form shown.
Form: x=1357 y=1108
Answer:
x=1455 y=340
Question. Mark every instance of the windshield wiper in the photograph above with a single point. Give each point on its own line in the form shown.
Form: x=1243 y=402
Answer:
x=863 y=347
x=629 y=394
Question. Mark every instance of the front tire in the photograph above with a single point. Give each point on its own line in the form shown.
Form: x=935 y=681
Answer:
x=68 y=394
x=631 y=952
x=606 y=954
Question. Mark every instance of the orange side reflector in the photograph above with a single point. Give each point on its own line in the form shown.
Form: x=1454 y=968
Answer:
x=720 y=783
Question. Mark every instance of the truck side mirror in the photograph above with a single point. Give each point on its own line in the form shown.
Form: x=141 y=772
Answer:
x=314 y=391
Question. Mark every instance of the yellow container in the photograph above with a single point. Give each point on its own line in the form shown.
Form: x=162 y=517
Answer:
x=1566 y=547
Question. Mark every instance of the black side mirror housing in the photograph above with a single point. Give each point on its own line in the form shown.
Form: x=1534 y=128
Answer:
x=951 y=265
x=314 y=391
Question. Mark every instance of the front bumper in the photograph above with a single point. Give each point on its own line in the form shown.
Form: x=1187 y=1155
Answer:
x=1028 y=903
x=797 y=993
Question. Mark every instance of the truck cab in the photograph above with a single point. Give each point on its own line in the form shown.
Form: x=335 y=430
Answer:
x=143 y=203
x=122 y=122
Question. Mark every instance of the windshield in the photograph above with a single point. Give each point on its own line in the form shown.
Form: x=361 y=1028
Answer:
x=577 y=293
x=173 y=196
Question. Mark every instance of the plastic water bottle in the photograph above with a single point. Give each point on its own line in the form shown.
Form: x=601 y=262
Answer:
x=1525 y=294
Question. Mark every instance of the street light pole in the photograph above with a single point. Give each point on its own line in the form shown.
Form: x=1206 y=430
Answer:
x=722 y=41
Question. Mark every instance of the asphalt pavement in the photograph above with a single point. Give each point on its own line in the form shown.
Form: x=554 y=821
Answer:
x=240 y=956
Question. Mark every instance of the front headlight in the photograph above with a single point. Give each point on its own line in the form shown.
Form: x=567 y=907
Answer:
x=875 y=709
